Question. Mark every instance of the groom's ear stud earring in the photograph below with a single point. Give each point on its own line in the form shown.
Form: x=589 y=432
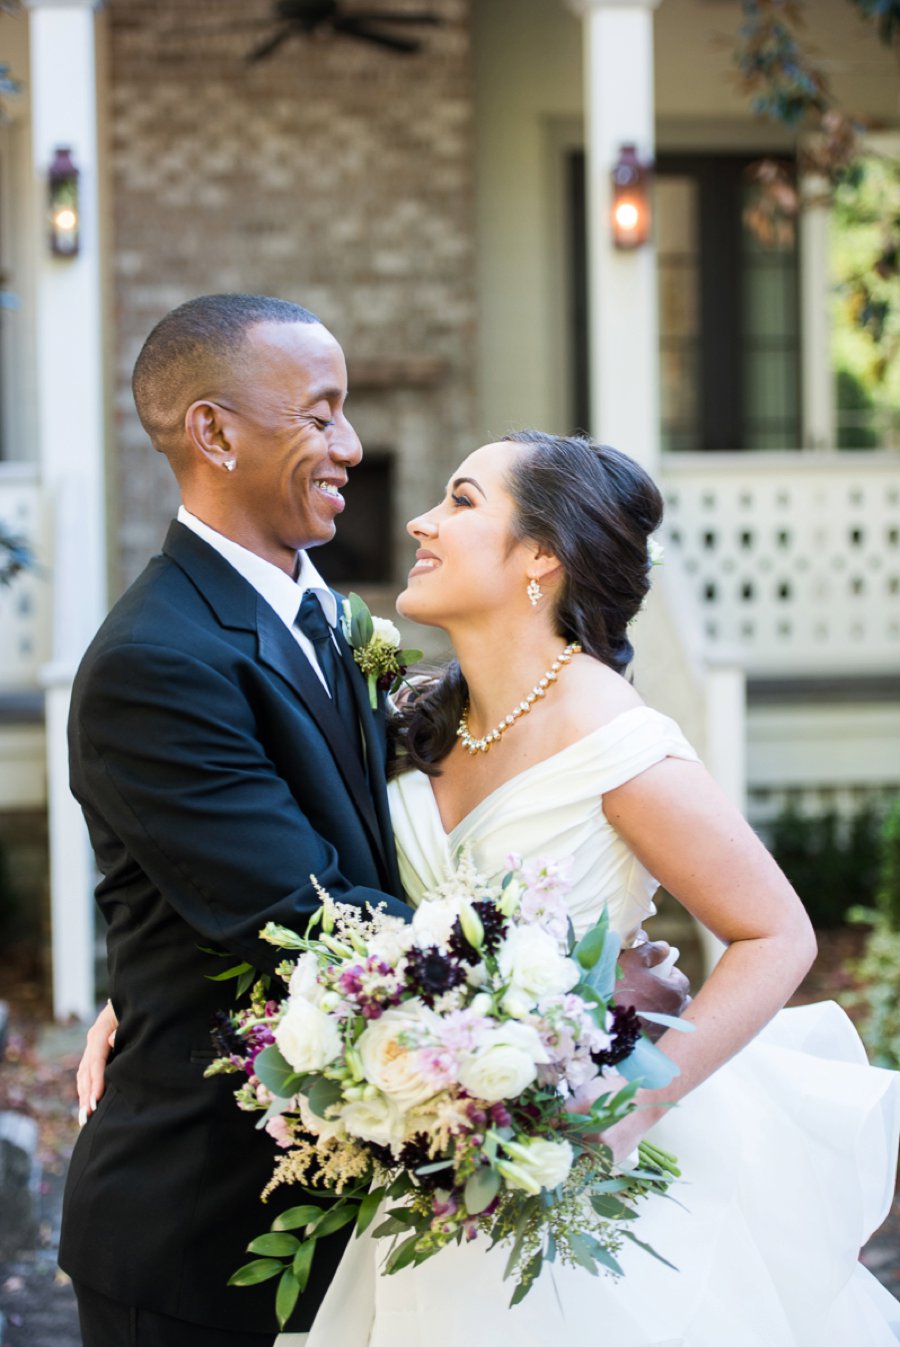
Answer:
x=230 y=464
x=534 y=592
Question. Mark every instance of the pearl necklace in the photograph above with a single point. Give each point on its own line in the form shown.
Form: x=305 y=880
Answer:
x=473 y=745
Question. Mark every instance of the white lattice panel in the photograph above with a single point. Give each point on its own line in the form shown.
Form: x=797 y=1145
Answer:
x=24 y=604
x=792 y=559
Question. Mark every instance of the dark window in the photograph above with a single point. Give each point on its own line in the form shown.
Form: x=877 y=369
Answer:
x=362 y=549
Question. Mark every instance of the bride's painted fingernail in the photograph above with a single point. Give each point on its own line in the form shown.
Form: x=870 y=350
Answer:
x=93 y=1103
x=82 y=1115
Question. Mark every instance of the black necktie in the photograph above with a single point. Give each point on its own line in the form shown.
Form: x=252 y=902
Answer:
x=313 y=623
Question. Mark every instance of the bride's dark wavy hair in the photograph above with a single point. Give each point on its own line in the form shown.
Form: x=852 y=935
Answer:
x=594 y=508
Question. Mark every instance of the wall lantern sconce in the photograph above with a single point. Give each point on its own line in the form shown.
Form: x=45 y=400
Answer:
x=62 y=185
x=631 y=216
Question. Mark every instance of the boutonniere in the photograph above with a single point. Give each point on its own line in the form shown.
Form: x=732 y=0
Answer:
x=375 y=643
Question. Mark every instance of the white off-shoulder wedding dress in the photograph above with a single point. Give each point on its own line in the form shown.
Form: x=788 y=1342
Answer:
x=788 y=1152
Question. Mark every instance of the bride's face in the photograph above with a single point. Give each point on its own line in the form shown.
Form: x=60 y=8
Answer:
x=467 y=562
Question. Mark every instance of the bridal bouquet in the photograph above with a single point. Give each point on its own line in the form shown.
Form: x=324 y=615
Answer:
x=434 y=1065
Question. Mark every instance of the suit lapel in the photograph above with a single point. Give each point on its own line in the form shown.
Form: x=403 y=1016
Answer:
x=237 y=605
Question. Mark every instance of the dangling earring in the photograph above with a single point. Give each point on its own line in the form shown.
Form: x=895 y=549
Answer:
x=230 y=464
x=534 y=592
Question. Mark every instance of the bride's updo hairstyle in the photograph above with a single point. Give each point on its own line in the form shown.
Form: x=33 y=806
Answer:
x=594 y=508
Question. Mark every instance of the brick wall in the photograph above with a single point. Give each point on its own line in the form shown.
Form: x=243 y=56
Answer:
x=335 y=174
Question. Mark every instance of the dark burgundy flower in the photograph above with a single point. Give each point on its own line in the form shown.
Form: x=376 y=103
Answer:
x=430 y=973
x=225 y=1038
x=626 y=1030
x=495 y=928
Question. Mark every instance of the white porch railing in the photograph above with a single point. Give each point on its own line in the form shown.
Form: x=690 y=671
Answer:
x=25 y=605
x=792 y=559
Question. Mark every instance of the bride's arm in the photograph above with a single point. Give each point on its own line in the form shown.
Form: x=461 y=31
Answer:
x=691 y=838
x=91 y=1075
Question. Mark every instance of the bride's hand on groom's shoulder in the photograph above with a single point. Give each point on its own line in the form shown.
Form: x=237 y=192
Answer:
x=650 y=981
x=91 y=1074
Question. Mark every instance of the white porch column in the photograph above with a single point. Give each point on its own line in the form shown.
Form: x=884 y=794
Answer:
x=622 y=310
x=69 y=377
x=818 y=399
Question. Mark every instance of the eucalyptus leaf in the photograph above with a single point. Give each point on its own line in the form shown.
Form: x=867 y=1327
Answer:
x=611 y=1209
x=322 y=1094
x=581 y=1251
x=648 y=1248
x=648 y=1066
x=481 y=1189
x=670 y=1021
x=590 y=946
x=436 y=1166
x=601 y=977
x=605 y=1258
x=286 y=1297
x=275 y=1073
x=275 y=1110
x=530 y=1273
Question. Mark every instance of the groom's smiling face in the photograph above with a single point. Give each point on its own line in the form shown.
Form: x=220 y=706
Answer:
x=290 y=439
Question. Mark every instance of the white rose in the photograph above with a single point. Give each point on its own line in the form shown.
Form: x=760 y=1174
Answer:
x=307 y=1038
x=505 y=1064
x=433 y=921
x=384 y=628
x=393 y=1066
x=537 y=1164
x=375 y=1119
x=530 y=960
x=304 y=979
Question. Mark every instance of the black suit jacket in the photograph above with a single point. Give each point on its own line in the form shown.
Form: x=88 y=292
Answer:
x=215 y=778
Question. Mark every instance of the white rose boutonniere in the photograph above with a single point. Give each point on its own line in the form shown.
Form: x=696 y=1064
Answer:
x=375 y=643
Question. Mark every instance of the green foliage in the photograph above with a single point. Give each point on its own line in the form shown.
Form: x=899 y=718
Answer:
x=831 y=861
x=879 y=968
x=786 y=84
x=854 y=397
x=888 y=895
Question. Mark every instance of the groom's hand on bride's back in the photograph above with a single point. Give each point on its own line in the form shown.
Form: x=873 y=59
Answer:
x=650 y=981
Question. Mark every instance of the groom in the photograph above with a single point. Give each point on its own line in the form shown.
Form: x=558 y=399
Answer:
x=223 y=750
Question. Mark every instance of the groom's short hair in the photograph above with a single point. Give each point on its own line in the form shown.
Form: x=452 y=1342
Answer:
x=194 y=351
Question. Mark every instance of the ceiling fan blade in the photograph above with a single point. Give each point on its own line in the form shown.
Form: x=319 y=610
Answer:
x=407 y=46
x=270 y=45
x=375 y=16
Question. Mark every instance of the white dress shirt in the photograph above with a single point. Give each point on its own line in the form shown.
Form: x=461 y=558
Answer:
x=281 y=592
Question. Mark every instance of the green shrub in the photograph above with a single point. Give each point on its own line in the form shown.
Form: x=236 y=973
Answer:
x=879 y=968
x=831 y=861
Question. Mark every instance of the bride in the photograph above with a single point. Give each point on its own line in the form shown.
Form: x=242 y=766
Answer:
x=786 y=1137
